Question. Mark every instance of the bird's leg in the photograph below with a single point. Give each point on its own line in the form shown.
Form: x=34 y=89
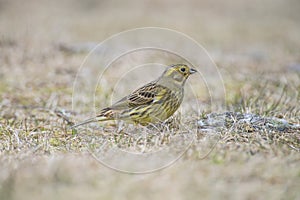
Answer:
x=120 y=125
x=120 y=128
x=145 y=138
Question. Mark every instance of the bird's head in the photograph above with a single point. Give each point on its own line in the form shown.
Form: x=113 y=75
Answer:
x=178 y=73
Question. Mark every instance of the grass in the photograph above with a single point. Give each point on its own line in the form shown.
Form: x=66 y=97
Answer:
x=247 y=150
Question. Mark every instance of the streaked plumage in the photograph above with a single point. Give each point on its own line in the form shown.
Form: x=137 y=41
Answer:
x=152 y=103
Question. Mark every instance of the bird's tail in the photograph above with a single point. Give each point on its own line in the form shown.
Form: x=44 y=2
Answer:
x=105 y=114
x=91 y=120
x=84 y=122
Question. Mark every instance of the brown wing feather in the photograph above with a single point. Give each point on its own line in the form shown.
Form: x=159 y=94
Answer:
x=141 y=96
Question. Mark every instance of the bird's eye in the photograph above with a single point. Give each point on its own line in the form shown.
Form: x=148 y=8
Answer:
x=182 y=69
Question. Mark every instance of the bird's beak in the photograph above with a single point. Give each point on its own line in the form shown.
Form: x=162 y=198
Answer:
x=192 y=71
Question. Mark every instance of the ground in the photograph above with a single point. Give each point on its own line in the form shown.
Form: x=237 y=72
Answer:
x=244 y=145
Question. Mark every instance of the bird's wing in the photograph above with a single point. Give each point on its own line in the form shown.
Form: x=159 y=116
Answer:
x=144 y=95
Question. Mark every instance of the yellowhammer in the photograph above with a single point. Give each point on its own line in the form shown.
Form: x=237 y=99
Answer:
x=152 y=103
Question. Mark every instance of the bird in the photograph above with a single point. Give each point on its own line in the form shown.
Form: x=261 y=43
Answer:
x=152 y=103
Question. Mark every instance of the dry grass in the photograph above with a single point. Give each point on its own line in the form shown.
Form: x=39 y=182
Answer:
x=256 y=50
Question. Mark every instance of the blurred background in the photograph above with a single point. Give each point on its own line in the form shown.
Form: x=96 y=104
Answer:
x=264 y=28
